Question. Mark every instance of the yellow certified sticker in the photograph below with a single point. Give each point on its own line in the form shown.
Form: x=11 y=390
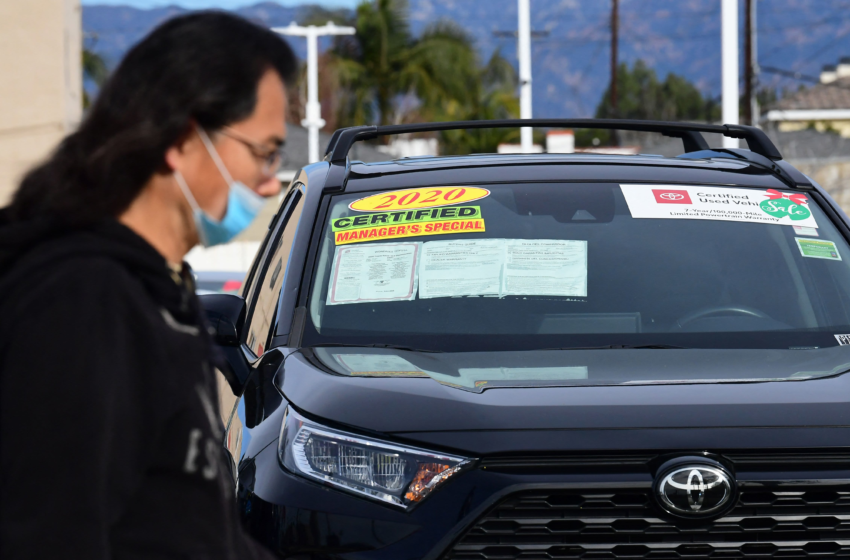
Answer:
x=409 y=199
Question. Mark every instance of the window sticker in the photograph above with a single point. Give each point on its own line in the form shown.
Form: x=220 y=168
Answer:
x=393 y=232
x=545 y=267
x=843 y=339
x=378 y=365
x=818 y=249
x=523 y=374
x=470 y=267
x=372 y=273
x=718 y=203
x=799 y=230
x=410 y=199
x=409 y=223
x=503 y=267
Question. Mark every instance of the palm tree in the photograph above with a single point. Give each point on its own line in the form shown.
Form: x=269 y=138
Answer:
x=494 y=97
x=386 y=76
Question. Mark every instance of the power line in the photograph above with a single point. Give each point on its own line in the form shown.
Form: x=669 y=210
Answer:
x=800 y=76
x=513 y=34
x=807 y=25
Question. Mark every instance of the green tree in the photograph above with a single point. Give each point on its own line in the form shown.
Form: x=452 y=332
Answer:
x=94 y=69
x=382 y=66
x=384 y=75
x=494 y=97
x=641 y=95
x=318 y=15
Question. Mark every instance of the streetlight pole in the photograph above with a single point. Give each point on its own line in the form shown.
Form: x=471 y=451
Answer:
x=729 y=60
x=524 y=52
x=314 y=121
x=615 y=24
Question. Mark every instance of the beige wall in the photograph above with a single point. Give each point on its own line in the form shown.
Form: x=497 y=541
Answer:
x=840 y=126
x=833 y=176
x=40 y=82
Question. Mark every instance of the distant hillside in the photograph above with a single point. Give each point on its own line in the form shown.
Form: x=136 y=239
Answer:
x=114 y=29
x=571 y=65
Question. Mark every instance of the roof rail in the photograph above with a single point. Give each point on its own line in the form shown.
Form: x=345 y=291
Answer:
x=690 y=133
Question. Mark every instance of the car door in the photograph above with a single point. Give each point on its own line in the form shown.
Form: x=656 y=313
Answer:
x=248 y=406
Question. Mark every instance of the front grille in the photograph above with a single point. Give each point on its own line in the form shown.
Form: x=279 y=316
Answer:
x=780 y=522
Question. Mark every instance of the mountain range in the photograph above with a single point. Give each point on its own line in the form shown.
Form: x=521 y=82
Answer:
x=571 y=51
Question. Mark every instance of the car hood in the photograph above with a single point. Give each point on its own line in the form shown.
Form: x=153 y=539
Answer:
x=646 y=398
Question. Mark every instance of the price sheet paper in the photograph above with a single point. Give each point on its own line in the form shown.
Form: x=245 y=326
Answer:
x=461 y=268
x=503 y=267
x=378 y=365
x=545 y=267
x=374 y=272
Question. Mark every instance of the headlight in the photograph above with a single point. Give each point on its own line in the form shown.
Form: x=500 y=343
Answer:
x=398 y=475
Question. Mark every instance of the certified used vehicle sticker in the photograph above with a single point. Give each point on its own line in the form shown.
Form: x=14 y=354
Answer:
x=818 y=249
x=426 y=197
x=409 y=223
x=718 y=203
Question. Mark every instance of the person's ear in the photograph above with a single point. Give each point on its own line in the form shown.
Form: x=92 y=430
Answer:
x=176 y=154
x=269 y=187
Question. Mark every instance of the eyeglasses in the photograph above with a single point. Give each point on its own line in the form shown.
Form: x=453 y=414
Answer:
x=272 y=159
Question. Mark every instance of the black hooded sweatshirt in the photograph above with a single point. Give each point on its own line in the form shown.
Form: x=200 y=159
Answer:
x=110 y=436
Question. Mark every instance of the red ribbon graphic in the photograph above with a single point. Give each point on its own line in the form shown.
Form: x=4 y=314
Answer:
x=796 y=198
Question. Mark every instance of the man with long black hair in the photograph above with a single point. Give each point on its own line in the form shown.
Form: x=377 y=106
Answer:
x=111 y=441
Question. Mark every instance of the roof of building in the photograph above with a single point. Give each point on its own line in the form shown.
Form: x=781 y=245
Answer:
x=794 y=145
x=834 y=95
x=297 y=148
x=801 y=145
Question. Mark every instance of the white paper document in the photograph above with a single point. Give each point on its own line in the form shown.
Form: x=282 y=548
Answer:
x=545 y=267
x=461 y=268
x=378 y=365
x=375 y=272
x=684 y=202
x=524 y=374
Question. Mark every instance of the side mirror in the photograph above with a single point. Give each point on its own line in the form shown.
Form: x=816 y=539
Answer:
x=226 y=316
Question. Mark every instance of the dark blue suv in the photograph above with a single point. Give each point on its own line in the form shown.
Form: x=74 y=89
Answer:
x=545 y=356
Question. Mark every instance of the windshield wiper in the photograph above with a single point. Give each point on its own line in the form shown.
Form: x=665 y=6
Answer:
x=376 y=345
x=623 y=347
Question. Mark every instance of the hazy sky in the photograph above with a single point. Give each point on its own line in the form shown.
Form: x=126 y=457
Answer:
x=225 y=4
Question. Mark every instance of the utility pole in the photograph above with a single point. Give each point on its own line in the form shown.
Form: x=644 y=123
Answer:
x=524 y=52
x=748 y=62
x=754 y=62
x=729 y=60
x=615 y=20
x=314 y=121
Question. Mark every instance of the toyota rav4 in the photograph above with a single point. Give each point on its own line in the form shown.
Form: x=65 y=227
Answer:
x=545 y=356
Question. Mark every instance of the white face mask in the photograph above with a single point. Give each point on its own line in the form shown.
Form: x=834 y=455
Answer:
x=243 y=204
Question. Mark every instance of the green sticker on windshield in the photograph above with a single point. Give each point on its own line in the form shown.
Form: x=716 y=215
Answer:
x=784 y=207
x=818 y=249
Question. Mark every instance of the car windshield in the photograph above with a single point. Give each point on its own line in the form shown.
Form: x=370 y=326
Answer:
x=579 y=266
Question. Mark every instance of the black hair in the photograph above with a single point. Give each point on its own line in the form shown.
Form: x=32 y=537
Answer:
x=203 y=67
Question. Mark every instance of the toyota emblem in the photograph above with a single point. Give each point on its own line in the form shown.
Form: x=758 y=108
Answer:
x=695 y=490
x=672 y=196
